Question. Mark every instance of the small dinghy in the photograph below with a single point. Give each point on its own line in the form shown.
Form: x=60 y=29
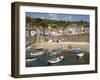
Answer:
x=37 y=52
x=80 y=55
x=29 y=60
x=78 y=52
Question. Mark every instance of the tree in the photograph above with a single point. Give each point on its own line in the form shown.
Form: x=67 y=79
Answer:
x=44 y=27
x=28 y=20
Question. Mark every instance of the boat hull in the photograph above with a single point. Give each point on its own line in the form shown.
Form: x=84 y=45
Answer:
x=58 y=59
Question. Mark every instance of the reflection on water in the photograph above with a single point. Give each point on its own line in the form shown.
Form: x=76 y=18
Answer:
x=70 y=58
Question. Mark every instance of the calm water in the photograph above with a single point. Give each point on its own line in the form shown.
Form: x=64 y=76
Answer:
x=70 y=58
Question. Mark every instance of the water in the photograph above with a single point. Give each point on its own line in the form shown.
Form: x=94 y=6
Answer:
x=70 y=58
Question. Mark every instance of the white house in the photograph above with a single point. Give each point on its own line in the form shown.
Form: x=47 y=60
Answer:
x=33 y=33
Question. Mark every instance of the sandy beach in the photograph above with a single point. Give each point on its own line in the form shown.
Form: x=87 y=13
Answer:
x=55 y=45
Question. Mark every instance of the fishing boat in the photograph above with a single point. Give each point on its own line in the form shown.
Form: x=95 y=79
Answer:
x=56 y=60
x=55 y=56
x=54 y=52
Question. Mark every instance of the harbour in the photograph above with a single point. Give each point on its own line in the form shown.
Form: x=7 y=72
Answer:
x=64 y=56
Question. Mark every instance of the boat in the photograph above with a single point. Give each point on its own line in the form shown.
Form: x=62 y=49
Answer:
x=54 y=52
x=56 y=60
x=29 y=47
x=77 y=50
x=37 y=53
x=80 y=55
x=28 y=60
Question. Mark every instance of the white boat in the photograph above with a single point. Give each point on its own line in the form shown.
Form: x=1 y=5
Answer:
x=37 y=53
x=28 y=47
x=80 y=55
x=56 y=60
x=28 y=60
x=78 y=52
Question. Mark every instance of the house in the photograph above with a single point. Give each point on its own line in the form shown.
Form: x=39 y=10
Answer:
x=27 y=31
x=30 y=31
x=33 y=33
x=75 y=29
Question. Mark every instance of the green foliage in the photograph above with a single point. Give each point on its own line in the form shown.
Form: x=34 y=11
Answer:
x=53 y=23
